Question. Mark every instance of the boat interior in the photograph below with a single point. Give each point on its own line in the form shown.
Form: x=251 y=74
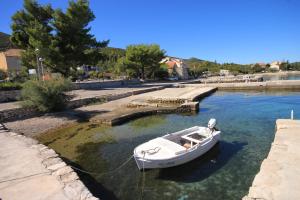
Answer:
x=174 y=143
x=189 y=137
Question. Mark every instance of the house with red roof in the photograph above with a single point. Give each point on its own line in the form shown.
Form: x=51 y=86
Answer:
x=176 y=67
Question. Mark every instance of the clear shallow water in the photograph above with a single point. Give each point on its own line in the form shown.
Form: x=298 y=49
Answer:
x=281 y=77
x=247 y=121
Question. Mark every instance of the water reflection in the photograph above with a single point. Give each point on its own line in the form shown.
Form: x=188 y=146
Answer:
x=204 y=166
x=275 y=77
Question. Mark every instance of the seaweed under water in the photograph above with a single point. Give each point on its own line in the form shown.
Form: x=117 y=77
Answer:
x=246 y=119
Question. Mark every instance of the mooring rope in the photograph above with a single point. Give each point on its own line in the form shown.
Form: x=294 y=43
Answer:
x=143 y=176
x=101 y=174
x=151 y=151
x=75 y=168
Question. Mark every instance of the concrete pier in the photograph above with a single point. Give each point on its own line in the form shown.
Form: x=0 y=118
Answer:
x=179 y=95
x=122 y=110
x=279 y=175
x=279 y=84
x=33 y=171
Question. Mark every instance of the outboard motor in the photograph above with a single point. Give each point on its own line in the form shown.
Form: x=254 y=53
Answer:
x=211 y=124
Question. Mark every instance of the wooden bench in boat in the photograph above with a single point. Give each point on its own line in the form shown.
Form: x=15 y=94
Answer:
x=193 y=138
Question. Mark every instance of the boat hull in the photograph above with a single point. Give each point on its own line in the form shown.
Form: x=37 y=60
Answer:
x=185 y=157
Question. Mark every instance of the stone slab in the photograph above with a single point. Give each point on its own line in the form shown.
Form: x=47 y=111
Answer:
x=33 y=171
x=279 y=175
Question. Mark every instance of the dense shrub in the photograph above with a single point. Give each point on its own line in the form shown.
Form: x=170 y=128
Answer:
x=10 y=86
x=46 y=95
x=18 y=76
x=3 y=74
x=161 y=73
x=77 y=75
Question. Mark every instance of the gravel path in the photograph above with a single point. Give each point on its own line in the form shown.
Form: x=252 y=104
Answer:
x=33 y=126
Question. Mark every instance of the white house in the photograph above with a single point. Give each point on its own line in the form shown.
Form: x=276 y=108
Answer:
x=224 y=72
x=275 y=65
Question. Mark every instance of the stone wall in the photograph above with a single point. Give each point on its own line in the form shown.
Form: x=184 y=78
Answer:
x=17 y=113
x=13 y=95
x=143 y=110
x=105 y=98
x=104 y=84
x=9 y=95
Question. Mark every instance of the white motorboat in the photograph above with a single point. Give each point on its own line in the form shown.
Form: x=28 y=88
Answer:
x=177 y=148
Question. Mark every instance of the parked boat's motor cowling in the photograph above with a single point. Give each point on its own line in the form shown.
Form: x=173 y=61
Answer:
x=212 y=123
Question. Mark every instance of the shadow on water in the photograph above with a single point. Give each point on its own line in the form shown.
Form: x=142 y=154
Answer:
x=201 y=110
x=96 y=188
x=204 y=166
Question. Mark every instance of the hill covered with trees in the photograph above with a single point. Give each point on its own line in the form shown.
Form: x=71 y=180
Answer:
x=5 y=42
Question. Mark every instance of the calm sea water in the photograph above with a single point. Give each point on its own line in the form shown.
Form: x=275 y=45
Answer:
x=281 y=77
x=247 y=122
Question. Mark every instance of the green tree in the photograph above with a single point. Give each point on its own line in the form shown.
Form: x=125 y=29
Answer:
x=294 y=66
x=162 y=72
x=284 y=66
x=110 y=59
x=73 y=45
x=3 y=74
x=62 y=39
x=257 y=68
x=31 y=30
x=144 y=59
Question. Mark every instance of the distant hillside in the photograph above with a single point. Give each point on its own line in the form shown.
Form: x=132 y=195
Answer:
x=193 y=60
x=114 y=50
x=5 y=43
x=196 y=61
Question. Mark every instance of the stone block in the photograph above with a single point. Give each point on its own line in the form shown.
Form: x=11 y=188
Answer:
x=62 y=171
x=56 y=166
x=51 y=161
x=71 y=193
x=74 y=189
x=85 y=194
x=92 y=198
x=48 y=154
x=69 y=177
x=30 y=141
x=43 y=148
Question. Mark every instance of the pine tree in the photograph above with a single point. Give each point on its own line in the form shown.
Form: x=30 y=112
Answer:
x=31 y=31
x=73 y=45
x=144 y=59
x=62 y=39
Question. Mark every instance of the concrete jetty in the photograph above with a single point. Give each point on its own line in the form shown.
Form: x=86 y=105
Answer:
x=179 y=95
x=33 y=171
x=122 y=110
x=279 y=84
x=279 y=175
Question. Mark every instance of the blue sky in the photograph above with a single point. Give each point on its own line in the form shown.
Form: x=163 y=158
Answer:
x=241 y=31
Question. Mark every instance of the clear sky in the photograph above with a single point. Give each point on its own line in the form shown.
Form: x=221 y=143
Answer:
x=241 y=31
